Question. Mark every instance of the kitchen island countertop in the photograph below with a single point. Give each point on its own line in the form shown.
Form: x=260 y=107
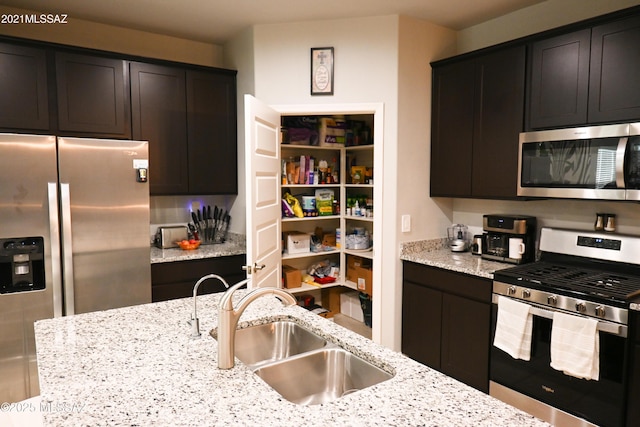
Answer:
x=139 y=366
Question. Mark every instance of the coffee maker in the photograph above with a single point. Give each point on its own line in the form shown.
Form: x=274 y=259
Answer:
x=509 y=238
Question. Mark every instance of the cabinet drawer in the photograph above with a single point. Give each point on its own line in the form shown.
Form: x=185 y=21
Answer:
x=169 y=272
x=451 y=282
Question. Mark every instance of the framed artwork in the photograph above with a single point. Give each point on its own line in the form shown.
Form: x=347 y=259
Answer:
x=321 y=71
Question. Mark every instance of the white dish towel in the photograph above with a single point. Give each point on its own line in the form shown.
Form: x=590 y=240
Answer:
x=513 y=328
x=575 y=346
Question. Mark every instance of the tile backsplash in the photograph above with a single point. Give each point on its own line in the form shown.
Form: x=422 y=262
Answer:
x=176 y=210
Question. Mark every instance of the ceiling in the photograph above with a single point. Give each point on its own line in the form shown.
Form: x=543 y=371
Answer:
x=216 y=21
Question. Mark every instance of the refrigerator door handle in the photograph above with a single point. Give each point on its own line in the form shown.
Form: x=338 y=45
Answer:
x=54 y=240
x=67 y=251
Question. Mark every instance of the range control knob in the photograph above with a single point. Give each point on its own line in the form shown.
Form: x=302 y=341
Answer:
x=511 y=290
x=552 y=300
x=600 y=311
x=526 y=293
x=581 y=307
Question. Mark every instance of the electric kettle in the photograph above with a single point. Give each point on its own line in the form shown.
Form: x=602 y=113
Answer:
x=458 y=237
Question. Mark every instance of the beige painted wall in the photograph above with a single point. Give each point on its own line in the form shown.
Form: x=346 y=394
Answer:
x=117 y=39
x=419 y=43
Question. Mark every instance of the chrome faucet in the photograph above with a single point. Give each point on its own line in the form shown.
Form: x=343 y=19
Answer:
x=228 y=318
x=194 y=321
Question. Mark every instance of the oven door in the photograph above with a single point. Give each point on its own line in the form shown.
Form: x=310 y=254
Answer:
x=600 y=402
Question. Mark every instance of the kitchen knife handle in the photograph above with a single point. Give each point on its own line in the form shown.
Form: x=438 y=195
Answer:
x=67 y=253
x=54 y=241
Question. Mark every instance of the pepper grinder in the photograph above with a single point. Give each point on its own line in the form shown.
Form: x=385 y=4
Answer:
x=599 y=225
x=610 y=223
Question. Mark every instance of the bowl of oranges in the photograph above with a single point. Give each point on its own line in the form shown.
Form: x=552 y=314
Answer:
x=189 y=245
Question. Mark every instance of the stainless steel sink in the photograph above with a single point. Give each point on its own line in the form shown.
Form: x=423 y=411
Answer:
x=321 y=376
x=302 y=366
x=260 y=344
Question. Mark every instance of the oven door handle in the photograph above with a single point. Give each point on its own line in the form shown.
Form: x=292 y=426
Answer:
x=603 y=326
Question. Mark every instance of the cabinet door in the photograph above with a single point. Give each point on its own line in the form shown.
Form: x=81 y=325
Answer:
x=173 y=280
x=452 y=129
x=559 y=80
x=23 y=88
x=499 y=119
x=421 y=323
x=159 y=115
x=93 y=95
x=465 y=340
x=615 y=67
x=212 y=134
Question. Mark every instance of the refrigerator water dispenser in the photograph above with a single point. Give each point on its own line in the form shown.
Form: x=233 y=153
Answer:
x=21 y=264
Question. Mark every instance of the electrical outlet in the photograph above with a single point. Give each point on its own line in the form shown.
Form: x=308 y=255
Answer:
x=406 y=223
x=195 y=206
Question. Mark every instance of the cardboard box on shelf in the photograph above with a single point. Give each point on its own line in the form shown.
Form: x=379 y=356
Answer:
x=329 y=240
x=331 y=298
x=350 y=305
x=297 y=242
x=364 y=280
x=353 y=262
x=292 y=277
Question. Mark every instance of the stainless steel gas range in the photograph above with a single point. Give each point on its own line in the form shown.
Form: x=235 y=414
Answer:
x=588 y=275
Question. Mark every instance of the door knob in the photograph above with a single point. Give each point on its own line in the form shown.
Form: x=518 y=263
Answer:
x=250 y=269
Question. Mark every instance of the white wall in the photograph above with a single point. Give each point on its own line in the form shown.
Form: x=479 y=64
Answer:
x=239 y=55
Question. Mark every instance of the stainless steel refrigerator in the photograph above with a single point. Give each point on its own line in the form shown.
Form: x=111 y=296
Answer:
x=74 y=238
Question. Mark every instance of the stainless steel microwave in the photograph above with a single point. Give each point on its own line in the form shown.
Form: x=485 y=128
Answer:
x=595 y=162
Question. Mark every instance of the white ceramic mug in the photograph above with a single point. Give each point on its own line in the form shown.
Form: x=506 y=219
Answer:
x=516 y=248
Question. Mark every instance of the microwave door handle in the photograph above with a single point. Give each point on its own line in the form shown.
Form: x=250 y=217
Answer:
x=620 y=157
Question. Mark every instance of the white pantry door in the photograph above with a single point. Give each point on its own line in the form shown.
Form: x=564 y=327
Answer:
x=262 y=154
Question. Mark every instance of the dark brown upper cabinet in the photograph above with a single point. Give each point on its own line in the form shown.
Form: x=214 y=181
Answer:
x=589 y=76
x=93 y=95
x=23 y=88
x=452 y=129
x=159 y=115
x=189 y=118
x=560 y=80
x=212 y=132
x=614 y=82
x=477 y=115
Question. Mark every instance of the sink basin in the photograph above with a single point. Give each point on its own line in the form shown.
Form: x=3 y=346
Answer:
x=274 y=341
x=321 y=376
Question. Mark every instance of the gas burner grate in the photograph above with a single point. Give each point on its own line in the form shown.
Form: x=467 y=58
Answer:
x=585 y=281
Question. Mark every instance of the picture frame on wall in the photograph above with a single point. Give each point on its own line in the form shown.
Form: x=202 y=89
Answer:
x=322 y=71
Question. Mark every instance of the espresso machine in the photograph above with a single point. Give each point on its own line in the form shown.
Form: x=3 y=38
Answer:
x=509 y=238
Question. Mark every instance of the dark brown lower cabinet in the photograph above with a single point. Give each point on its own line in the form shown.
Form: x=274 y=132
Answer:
x=446 y=322
x=171 y=280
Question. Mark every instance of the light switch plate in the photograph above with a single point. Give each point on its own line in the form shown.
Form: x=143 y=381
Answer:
x=406 y=223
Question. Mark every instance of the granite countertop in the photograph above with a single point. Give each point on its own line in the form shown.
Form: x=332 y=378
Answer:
x=234 y=245
x=435 y=253
x=139 y=366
